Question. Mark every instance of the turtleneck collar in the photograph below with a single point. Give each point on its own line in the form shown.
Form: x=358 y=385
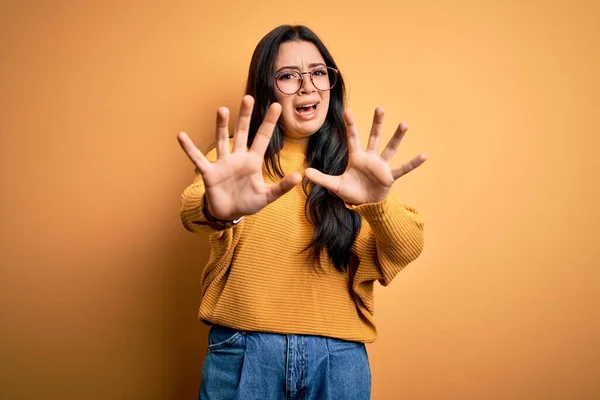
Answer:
x=293 y=147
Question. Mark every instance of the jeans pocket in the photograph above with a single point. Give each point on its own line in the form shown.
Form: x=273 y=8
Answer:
x=221 y=337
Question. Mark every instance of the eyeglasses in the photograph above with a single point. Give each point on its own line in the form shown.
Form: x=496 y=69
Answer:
x=290 y=81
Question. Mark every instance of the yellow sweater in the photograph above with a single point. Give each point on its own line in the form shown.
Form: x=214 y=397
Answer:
x=257 y=279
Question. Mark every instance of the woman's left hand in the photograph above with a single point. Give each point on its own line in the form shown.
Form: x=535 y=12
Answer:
x=368 y=177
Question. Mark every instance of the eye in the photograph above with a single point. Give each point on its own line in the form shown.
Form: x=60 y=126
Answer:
x=320 y=72
x=286 y=76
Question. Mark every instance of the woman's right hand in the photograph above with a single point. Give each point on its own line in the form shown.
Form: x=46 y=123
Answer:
x=234 y=183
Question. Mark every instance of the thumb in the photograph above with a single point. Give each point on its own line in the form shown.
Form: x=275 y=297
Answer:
x=280 y=188
x=329 y=182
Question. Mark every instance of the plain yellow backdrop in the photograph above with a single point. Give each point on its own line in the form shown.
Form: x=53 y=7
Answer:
x=99 y=282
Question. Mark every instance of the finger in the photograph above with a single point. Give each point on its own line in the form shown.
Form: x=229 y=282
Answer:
x=201 y=163
x=353 y=135
x=265 y=131
x=280 y=188
x=222 y=133
x=394 y=142
x=376 y=130
x=409 y=166
x=240 y=136
x=329 y=182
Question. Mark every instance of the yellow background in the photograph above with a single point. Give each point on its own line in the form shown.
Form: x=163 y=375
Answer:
x=99 y=283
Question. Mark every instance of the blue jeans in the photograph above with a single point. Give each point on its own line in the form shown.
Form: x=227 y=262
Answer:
x=267 y=366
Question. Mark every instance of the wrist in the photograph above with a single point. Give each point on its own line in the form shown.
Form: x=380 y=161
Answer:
x=218 y=223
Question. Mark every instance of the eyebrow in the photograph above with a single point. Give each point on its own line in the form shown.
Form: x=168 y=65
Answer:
x=298 y=68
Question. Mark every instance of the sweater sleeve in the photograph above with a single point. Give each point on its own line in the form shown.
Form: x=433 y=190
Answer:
x=391 y=237
x=222 y=242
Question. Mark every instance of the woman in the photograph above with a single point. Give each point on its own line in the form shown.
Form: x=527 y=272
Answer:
x=288 y=288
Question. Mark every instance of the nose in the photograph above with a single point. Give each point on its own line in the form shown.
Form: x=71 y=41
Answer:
x=307 y=86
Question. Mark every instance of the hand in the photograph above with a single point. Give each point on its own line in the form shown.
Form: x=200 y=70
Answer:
x=368 y=177
x=234 y=183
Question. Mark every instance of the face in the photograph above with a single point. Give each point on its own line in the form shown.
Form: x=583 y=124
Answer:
x=304 y=112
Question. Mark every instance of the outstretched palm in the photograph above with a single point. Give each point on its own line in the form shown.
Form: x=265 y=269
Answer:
x=234 y=182
x=368 y=177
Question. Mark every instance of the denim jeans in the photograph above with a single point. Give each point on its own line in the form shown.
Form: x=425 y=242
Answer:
x=266 y=366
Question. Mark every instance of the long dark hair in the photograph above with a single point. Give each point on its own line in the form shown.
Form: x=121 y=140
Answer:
x=336 y=226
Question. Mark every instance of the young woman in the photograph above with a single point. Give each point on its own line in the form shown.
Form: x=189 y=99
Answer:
x=302 y=223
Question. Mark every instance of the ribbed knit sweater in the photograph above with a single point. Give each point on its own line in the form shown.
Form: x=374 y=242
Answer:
x=259 y=279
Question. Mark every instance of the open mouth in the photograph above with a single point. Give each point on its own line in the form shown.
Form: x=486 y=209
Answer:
x=307 y=109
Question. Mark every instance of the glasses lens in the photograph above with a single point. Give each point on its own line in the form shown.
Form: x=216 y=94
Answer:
x=324 y=78
x=288 y=81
